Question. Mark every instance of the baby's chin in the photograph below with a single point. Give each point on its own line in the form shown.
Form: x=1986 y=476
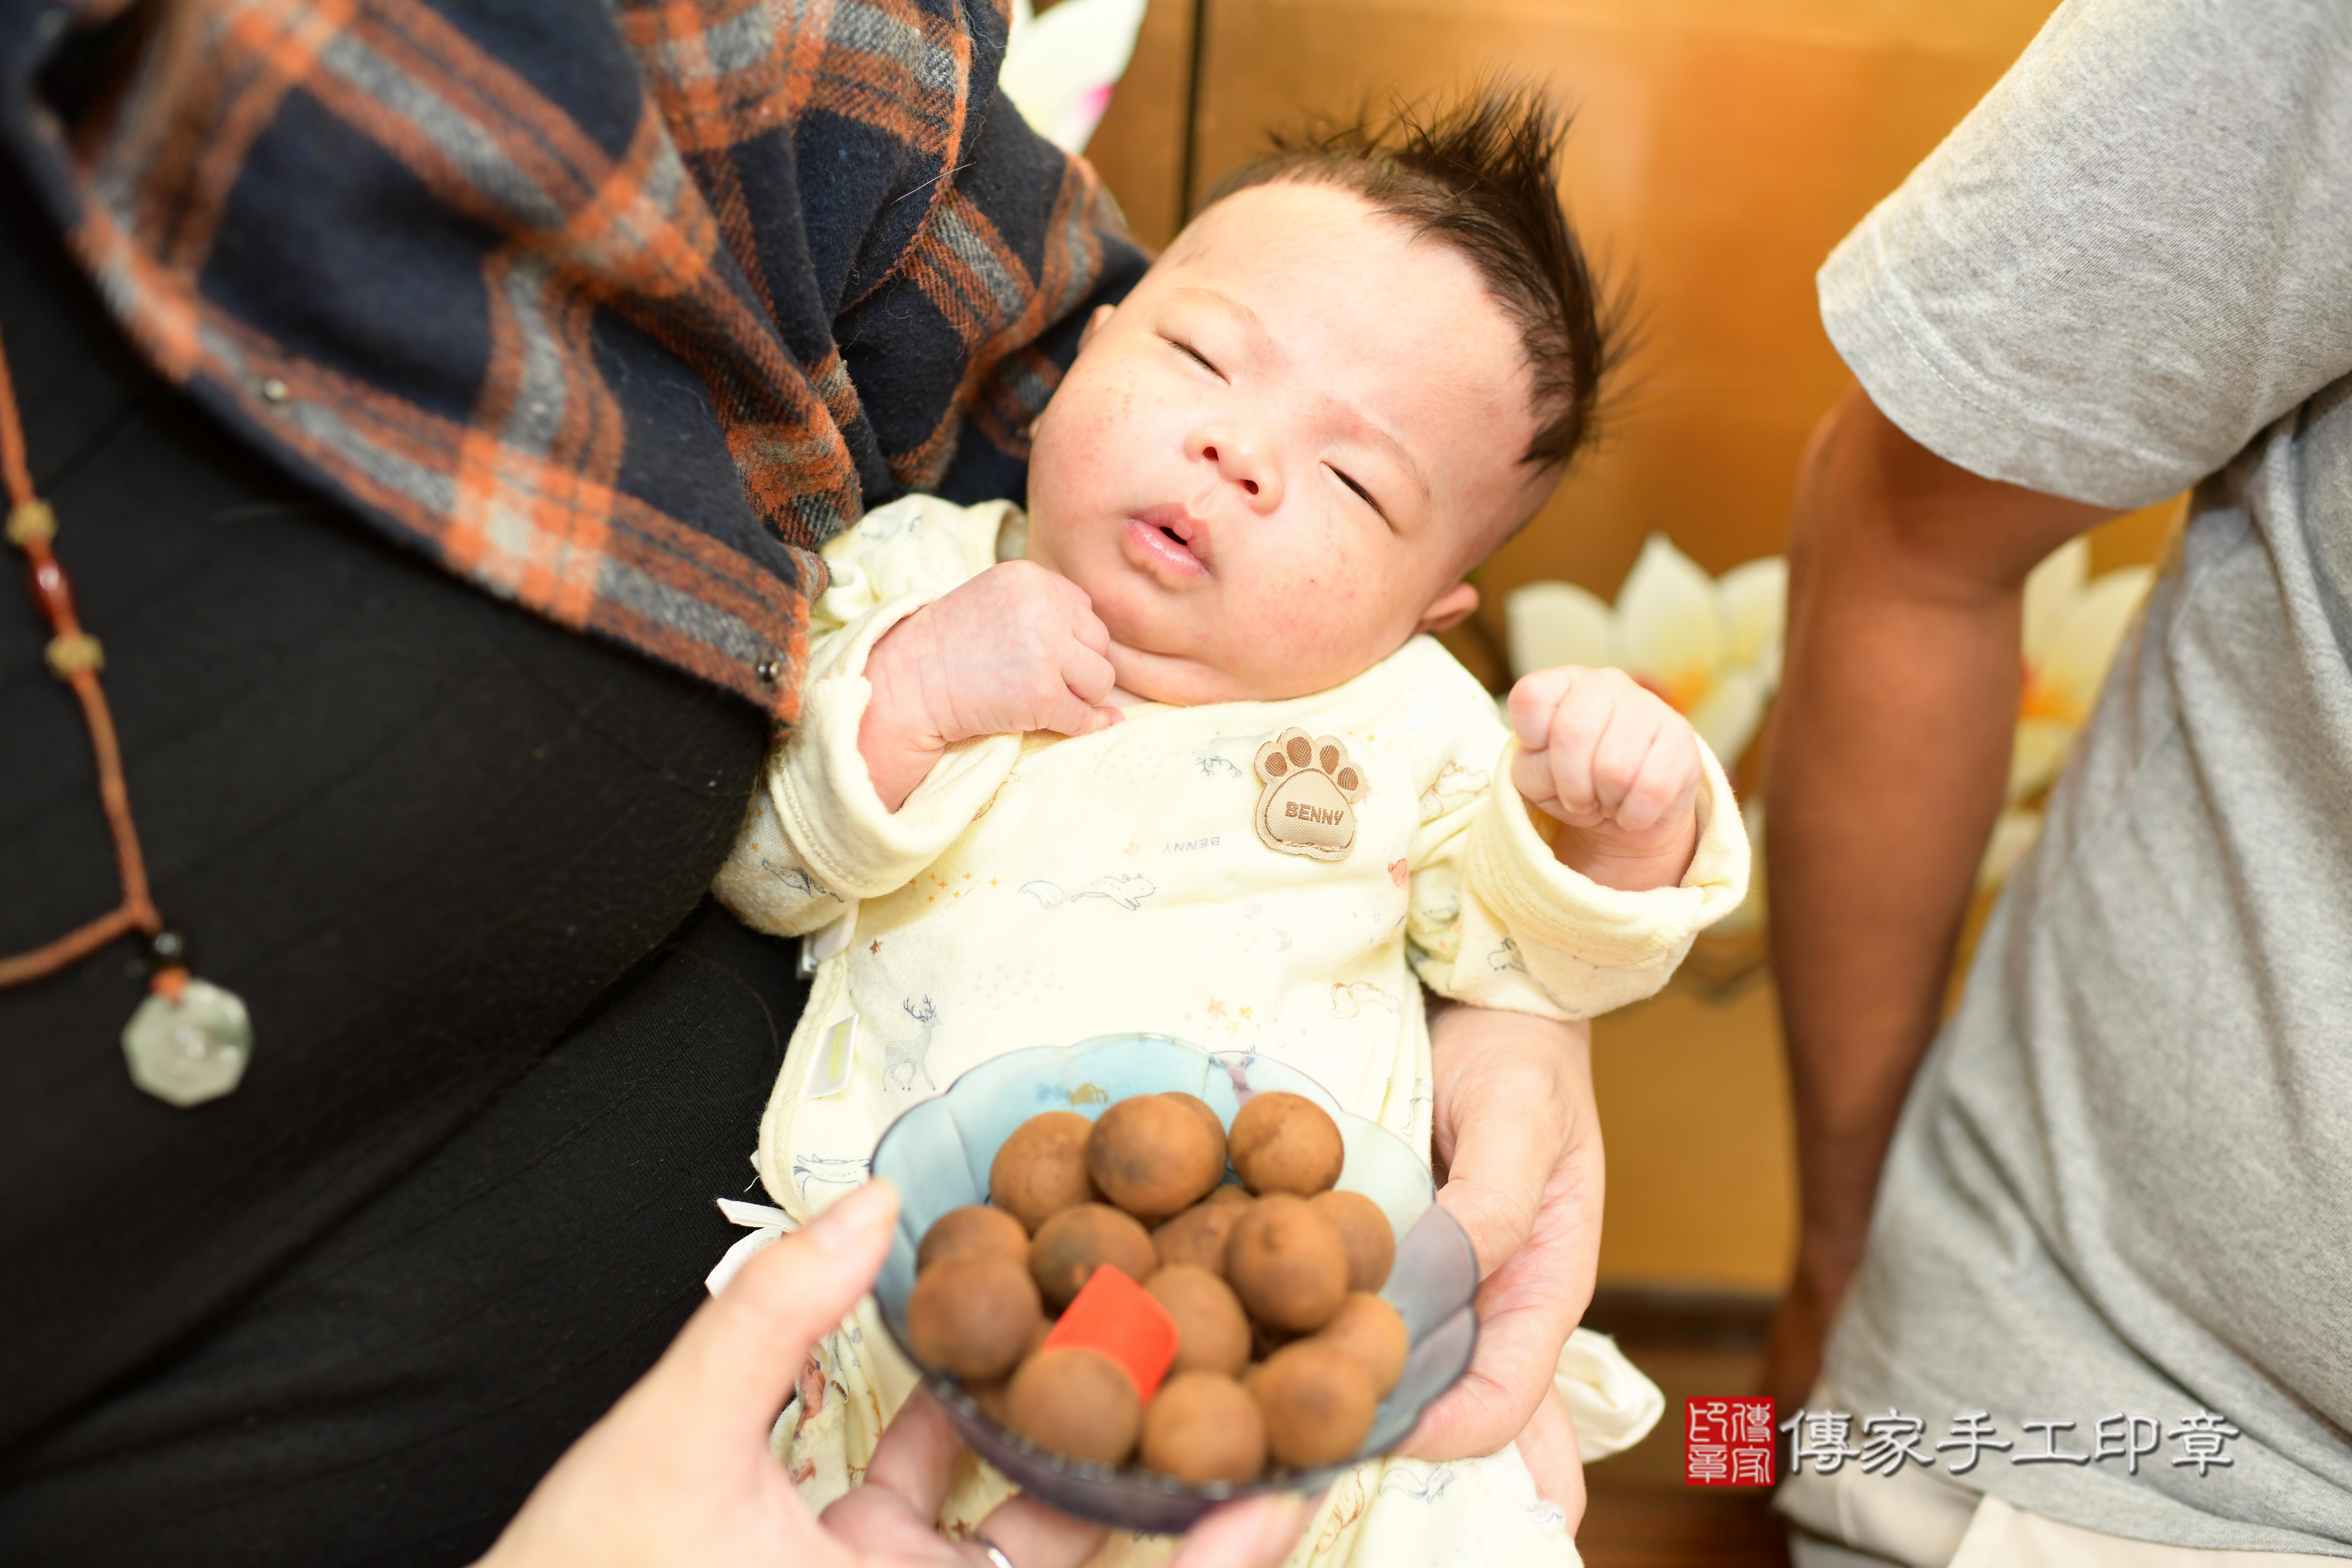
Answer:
x=1196 y=678
x=1162 y=653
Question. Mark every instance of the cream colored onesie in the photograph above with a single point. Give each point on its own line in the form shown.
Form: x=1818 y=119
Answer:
x=1178 y=873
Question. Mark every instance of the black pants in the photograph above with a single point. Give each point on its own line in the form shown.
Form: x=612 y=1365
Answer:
x=454 y=860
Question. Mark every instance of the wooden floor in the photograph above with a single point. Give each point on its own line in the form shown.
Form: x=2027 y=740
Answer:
x=1641 y=1514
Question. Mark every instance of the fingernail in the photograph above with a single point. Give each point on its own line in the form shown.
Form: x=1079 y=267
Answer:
x=850 y=1224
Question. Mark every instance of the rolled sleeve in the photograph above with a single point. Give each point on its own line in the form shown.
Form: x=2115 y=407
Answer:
x=2128 y=261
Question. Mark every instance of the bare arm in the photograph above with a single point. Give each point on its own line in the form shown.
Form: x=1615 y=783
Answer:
x=1891 y=748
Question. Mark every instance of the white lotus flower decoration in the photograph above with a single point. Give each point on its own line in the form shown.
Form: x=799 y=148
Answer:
x=1059 y=69
x=1711 y=646
x=2073 y=624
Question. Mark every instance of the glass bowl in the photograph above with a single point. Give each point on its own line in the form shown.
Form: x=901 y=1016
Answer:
x=938 y=1155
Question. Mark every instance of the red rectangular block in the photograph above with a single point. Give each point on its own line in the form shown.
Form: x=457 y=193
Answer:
x=1728 y=1442
x=1116 y=1317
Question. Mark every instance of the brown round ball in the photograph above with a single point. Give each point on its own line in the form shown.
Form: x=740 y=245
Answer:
x=1041 y=1170
x=1077 y=1403
x=1318 y=1403
x=994 y=1398
x=1212 y=1333
x=1265 y=1341
x=1365 y=1231
x=1229 y=1193
x=1209 y=1118
x=1202 y=1428
x=976 y=1229
x=1069 y=1248
x=1153 y=1157
x=1286 y=1143
x=1197 y=1237
x=1369 y=1330
x=973 y=1316
x=1287 y=1265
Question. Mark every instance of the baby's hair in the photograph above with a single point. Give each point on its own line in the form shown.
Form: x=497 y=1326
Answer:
x=1482 y=174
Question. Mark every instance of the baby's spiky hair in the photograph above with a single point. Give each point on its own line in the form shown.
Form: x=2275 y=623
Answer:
x=1482 y=174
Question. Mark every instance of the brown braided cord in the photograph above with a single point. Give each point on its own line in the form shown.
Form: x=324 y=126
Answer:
x=74 y=656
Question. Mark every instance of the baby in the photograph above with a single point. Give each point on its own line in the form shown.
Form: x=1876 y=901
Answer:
x=1171 y=752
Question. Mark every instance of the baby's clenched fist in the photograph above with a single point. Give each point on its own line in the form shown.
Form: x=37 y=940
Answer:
x=1617 y=765
x=1015 y=649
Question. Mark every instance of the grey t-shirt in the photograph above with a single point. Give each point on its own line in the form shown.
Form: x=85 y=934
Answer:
x=2123 y=1182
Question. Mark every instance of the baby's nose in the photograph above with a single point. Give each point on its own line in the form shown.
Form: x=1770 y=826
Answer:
x=1245 y=464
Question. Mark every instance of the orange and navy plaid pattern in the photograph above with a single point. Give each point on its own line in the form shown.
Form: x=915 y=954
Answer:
x=618 y=310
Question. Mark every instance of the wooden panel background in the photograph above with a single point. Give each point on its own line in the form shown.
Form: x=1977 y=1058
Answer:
x=1721 y=148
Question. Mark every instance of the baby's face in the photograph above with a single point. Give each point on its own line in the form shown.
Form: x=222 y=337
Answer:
x=1275 y=461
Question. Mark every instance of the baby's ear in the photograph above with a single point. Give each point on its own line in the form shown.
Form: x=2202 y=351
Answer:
x=1449 y=607
x=1095 y=324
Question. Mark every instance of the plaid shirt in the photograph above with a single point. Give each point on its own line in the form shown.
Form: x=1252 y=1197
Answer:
x=618 y=309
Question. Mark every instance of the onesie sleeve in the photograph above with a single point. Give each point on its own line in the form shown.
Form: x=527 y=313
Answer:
x=1495 y=920
x=817 y=837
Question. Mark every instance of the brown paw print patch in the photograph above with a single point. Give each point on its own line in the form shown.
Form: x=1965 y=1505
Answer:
x=1311 y=788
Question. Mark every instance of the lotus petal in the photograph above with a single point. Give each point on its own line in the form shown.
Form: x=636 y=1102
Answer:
x=2036 y=754
x=1550 y=624
x=1673 y=624
x=2076 y=659
x=1059 y=67
x=1727 y=717
x=1756 y=593
x=2050 y=591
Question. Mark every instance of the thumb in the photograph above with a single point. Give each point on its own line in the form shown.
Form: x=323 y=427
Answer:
x=1256 y=1533
x=1535 y=698
x=1105 y=718
x=735 y=1360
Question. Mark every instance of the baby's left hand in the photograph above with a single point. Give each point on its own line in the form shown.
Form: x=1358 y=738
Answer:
x=1615 y=763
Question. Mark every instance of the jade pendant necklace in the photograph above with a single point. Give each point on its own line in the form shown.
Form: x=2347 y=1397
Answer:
x=189 y=1040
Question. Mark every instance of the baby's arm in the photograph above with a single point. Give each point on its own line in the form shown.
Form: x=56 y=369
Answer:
x=1580 y=889
x=1617 y=766
x=1015 y=649
x=872 y=783
x=767 y=883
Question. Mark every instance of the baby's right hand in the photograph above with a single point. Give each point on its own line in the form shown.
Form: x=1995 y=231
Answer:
x=1016 y=648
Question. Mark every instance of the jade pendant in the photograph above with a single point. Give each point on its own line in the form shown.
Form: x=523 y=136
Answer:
x=188 y=1049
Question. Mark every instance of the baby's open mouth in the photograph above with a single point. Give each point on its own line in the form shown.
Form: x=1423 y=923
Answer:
x=1167 y=540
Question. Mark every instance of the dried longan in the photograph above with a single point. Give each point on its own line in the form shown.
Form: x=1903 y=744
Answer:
x=1265 y=1341
x=1365 y=1231
x=973 y=1316
x=995 y=1399
x=1318 y=1403
x=1041 y=1170
x=1369 y=1330
x=1197 y=1237
x=1153 y=1156
x=1076 y=1402
x=1069 y=1248
x=1286 y=1143
x=972 y=1229
x=1287 y=1265
x=1230 y=1192
x=1202 y=1428
x=1211 y=1333
x=1209 y=1118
